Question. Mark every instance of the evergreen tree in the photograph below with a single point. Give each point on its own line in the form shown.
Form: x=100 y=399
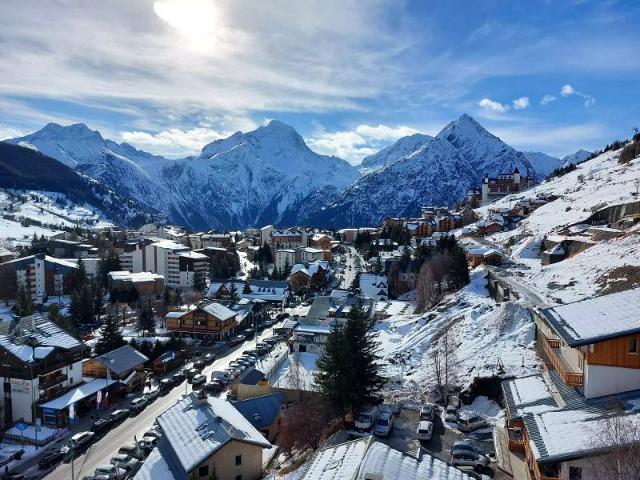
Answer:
x=98 y=300
x=333 y=367
x=24 y=303
x=378 y=267
x=355 y=283
x=111 y=263
x=79 y=278
x=233 y=292
x=110 y=337
x=146 y=320
x=247 y=287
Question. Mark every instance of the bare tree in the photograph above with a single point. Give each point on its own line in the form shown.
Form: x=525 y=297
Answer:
x=618 y=436
x=306 y=424
x=425 y=288
x=443 y=356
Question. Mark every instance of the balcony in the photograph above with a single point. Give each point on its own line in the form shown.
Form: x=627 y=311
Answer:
x=552 y=351
x=47 y=382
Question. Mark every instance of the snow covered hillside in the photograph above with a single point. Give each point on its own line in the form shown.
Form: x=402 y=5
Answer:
x=389 y=154
x=608 y=264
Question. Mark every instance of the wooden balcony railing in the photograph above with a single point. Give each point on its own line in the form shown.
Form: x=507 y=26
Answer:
x=555 y=360
x=539 y=476
x=553 y=342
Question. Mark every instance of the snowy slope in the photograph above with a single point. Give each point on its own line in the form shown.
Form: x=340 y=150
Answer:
x=577 y=157
x=265 y=176
x=544 y=164
x=391 y=153
x=440 y=172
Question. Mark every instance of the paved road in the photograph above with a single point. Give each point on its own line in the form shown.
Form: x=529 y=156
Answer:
x=101 y=451
x=350 y=273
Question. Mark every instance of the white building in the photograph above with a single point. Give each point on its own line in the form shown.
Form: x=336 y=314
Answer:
x=309 y=254
x=177 y=263
x=284 y=258
x=265 y=234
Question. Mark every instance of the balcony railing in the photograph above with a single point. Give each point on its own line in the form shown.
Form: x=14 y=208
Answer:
x=557 y=362
x=45 y=384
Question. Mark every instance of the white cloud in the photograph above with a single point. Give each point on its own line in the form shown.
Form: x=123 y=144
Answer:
x=354 y=145
x=10 y=132
x=493 y=105
x=521 y=103
x=567 y=90
x=173 y=142
x=547 y=99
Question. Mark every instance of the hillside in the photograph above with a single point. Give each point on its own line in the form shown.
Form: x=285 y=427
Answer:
x=23 y=168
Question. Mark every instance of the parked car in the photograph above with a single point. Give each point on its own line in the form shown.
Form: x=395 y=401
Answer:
x=118 y=416
x=197 y=353
x=424 y=430
x=221 y=377
x=427 y=412
x=137 y=405
x=126 y=462
x=366 y=418
x=465 y=445
x=50 y=458
x=451 y=414
x=152 y=395
x=110 y=471
x=471 y=472
x=249 y=359
x=152 y=433
x=199 y=364
x=133 y=450
x=78 y=443
x=166 y=384
x=148 y=443
x=198 y=381
x=209 y=358
x=178 y=378
x=249 y=333
x=468 y=459
x=192 y=372
x=214 y=387
x=101 y=426
x=468 y=422
x=384 y=424
x=237 y=340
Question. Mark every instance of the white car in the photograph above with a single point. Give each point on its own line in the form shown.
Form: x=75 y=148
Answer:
x=424 y=430
x=366 y=418
x=384 y=425
x=110 y=471
x=451 y=414
x=126 y=462
x=468 y=422
x=471 y=459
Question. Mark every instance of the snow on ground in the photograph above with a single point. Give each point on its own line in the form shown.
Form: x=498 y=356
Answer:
x=14 y=234
x=486 y=408
x=483 y=332
x=299 y=310
x=297 y=371
x=245 y=265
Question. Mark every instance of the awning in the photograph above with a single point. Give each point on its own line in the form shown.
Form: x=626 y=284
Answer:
x=78 y=393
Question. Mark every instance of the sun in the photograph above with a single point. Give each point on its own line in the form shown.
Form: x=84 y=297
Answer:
x=196 y=20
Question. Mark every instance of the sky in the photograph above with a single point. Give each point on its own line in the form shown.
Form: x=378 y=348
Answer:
x=169 y=76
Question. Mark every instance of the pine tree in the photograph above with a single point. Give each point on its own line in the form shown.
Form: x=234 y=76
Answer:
x=98 y=300
x=333 y=367
x=233 y=292
x=24 y=303
x=79 y=277
x=110 y=337
x=247 y=287
x=378 y=267
x=146 y=320
x=355 y=283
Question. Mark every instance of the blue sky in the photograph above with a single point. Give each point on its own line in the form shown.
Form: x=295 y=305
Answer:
x=169 y=76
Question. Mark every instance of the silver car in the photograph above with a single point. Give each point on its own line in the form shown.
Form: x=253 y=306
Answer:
x=383 y=425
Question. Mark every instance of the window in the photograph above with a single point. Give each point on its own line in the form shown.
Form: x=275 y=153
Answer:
x=203 y=471
x=238 y=460
x=575 y=473
x=633 y=345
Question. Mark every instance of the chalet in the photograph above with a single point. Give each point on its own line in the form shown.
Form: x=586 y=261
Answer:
x=321 y=241
x=213 y=320
x=40 y=274
x=305 y=276
x=310 y=338
x=591 y=354
x=504 y=184
x=6 y=255
x=374 y=286
x=560 y=247
x=326 y=308
x=263 y=412
x=145 y=283
x=124 y=364
x=481 y=255
x=489 y=225
x=401 y=275
x=39 y=361
x=167 y=362
x=467 y=215
x=205 y=437
x=218 y=240
x=271 y=291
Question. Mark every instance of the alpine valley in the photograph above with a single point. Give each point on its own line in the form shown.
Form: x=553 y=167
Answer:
x=270 y=176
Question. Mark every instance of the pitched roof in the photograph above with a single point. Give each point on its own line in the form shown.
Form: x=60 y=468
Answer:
x=194 y=430
x=122 y=359
x=338 y=462
x=596 y=319
x=251 y=377
x=260 y=411
x=219 y=311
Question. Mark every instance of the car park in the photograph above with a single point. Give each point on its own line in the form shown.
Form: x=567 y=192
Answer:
x=424 y=430
x=470 y=459
x=101 y=426
x=110 y=471
x=383 y=425
x=137 y=405
x=468 y=422
x=427 y=412
x=50 y=458
x=118 y=416
x=152 y=395
x=366 y=418
x=198 y=381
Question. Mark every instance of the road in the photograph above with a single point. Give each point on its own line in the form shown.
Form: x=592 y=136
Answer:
x=101 y=451
x=350 y=268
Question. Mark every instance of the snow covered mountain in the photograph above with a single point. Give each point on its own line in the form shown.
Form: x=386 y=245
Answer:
x=577 y=157
x=440 y=172
x=265 y=176
x=544 y=164
x=388 y=154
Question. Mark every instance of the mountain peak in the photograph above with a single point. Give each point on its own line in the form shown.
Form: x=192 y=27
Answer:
x=75 y=130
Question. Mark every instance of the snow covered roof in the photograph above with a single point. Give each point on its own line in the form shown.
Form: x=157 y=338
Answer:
x=310 y=269
x=219 y=311
x=78 y=393
x=596 y=319
x=382 y=461
x=195 y=429
x=527 y=394
x=339 y=462
x=154 y=468
x=193 y=255
x=261 y=411
x=122 y=359
x=303 y=328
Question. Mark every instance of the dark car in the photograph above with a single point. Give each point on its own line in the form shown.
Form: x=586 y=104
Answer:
x=101 y=426
x=237 y=340
x=281 y=316
x=199 y=364
x=197 y=353
x=152 y=395
x=209 y=358
x=118 y=415
x=192 y=372
x=249 y=333
x=165 y=385
x=14 y=456
x=178 y=378
x=214 y=387
x=50 y=458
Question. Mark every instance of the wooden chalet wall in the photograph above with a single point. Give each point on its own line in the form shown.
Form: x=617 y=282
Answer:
x=615 y=353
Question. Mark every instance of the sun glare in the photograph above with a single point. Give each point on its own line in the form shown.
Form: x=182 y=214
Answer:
x=196 y=20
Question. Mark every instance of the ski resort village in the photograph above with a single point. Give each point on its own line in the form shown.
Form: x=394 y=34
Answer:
x=336 y=240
